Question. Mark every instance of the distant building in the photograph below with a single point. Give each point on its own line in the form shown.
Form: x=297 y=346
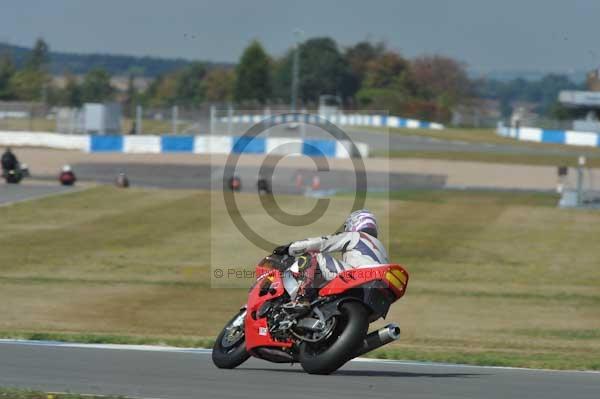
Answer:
x=92 y=118
x=585 y=102
x=593 y=80
x=481 y=113
x=523 y=114
x=21 y=110
x=120 y=83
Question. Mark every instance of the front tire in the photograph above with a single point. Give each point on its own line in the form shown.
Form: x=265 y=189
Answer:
x=229 y=350
x=348 y=335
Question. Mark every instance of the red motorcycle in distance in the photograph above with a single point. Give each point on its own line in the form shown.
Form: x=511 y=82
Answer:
x=322 y=340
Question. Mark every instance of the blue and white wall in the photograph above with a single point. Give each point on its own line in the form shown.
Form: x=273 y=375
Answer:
x=570 y=137
x=149 y=144
x=361 y=120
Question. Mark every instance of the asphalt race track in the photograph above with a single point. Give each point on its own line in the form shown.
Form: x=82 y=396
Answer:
x=171 y=373
x=10 y=193
x=284 y=179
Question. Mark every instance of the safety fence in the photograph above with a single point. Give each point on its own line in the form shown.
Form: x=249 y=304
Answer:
x=360 y=120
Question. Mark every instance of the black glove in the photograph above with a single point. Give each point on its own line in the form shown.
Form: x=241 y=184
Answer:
x=282 y=250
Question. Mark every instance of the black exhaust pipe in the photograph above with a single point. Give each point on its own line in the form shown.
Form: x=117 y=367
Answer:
x=378 y=338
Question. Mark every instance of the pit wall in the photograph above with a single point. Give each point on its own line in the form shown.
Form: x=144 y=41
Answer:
x=570 y=137
x=150 y=144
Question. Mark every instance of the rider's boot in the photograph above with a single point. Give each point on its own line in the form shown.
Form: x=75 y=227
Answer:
x=300 y=305
x=305 y=275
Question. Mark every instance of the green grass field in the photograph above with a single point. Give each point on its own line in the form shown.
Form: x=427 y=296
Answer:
x=496 y=278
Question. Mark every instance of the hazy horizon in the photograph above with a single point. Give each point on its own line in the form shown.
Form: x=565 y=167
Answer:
x=539 y=35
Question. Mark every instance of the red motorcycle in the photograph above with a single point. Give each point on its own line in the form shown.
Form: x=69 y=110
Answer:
x=333 y=332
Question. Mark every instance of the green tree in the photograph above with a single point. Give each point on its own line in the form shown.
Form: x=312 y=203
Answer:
x=32 y=82
x=96 y=86
x=282 y=77
x=131 y=96
x=360 y=55
x=219 y=84
x=388 y=71
x=161 y=91
x=189 y=88
x=387 y=84
x=323 y=70
x=441 y=79
x=7 y=70
x=39 y=57
x=29 y=85
x=253 y=81
x=72 y=96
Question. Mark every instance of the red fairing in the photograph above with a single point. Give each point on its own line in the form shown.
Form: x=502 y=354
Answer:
x=393 y=275
x=256 y=330
x=67 y=177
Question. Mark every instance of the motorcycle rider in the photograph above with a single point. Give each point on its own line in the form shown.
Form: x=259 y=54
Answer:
x=9 y=161
x=358 y=245
x=67 y=176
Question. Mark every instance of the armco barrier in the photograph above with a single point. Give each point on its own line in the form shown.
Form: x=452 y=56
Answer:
x=148 y=144
x=570 y=137
x=340 y=120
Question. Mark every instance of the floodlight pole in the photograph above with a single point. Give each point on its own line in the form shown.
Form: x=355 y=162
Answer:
x=138 y=119
x=296 y=68
x=580 y=181
x=174 y=117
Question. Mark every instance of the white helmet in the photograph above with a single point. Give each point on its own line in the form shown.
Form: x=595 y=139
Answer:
x=66 y=168
x=362 y=220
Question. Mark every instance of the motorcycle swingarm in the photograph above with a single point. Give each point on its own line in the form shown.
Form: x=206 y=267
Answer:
x=374 y=298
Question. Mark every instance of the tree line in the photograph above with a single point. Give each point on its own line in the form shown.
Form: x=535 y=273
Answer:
x=366 y=75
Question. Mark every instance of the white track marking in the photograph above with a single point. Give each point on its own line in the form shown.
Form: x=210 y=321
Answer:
x=47 y=195
x=147 y=348
x=99 y=396
x=204 y=351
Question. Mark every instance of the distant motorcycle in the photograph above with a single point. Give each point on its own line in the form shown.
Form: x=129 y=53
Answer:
x=323 y=340
x=14 y=176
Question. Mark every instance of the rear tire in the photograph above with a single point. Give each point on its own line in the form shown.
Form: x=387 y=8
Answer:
x=228 y=353
x=347 y=337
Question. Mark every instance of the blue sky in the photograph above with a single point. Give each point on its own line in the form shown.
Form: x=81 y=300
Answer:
x=546 y=35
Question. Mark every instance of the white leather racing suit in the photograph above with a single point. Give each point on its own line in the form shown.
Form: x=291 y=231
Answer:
x=357 y=249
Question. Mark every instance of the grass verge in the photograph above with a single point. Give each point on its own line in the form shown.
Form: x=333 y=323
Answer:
x=496 y=278
x=12 y=393
x=81 y=338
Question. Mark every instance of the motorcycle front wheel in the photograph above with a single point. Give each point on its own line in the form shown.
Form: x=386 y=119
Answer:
x=350 y=331
x=229 y=350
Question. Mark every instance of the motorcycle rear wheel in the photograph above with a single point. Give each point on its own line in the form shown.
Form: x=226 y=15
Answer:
x=351 y=329
x=229 y=350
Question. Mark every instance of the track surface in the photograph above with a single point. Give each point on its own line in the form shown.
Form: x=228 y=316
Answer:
x=284 y=179
x=190 y=374
x=10 y=193
x=397 y=142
